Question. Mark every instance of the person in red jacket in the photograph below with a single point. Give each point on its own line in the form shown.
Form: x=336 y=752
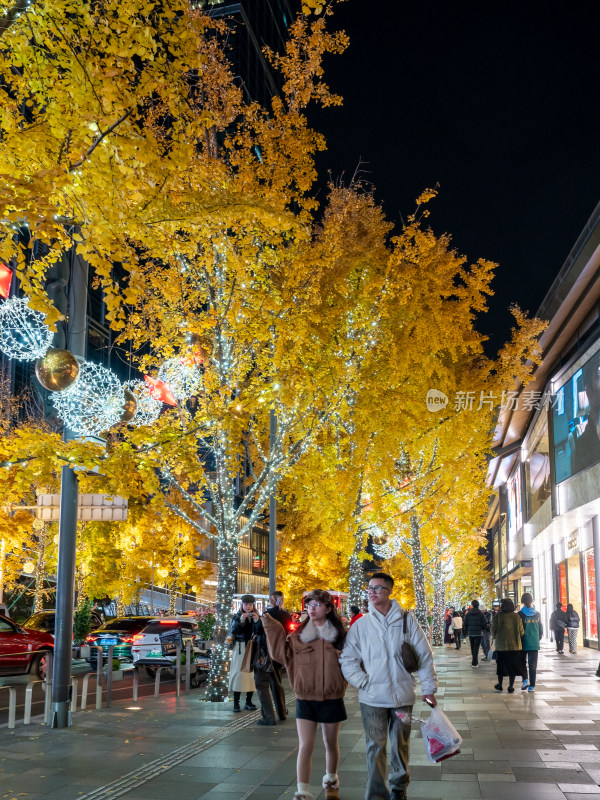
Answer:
x=355 y=611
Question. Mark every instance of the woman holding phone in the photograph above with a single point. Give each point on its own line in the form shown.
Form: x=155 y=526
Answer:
x=311 y=656
x=242 y=625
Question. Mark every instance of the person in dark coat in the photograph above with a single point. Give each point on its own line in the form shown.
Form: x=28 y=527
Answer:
x=474 y=624
x=267 y=673
x=278 y=612
x=558 y=626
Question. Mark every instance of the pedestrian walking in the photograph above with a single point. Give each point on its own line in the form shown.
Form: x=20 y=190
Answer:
x=457 y=628
x=311 y=656
x=278 y=612
x=355 y=612
x=241 y=630
x=485 y=634
x=507 y=631
x=572 y=627
x=474 y=625
x=372 y=661
x=530 y=642
x=448 y=638
x=558 y=626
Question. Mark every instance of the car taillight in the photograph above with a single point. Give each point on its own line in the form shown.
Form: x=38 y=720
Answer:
x=127 y=638
x=138 y=637
x=91 y=638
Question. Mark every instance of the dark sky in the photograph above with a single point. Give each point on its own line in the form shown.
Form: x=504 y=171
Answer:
x=499 y=103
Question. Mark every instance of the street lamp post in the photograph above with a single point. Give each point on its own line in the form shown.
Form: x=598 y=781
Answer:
x=67 y=528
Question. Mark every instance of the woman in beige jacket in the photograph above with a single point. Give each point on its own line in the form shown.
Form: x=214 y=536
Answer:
x=311 y=656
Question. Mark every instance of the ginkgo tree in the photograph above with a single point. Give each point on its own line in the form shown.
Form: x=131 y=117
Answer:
x=138 y=146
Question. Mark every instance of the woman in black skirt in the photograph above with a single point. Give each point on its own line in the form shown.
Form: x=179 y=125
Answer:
x=507 y=630
x=311 y=656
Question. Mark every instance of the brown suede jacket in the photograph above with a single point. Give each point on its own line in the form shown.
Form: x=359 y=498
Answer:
x=310 y=658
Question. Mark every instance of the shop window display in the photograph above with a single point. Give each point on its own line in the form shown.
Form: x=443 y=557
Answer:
x=537 y=467
x=591 y=623
x=576 y=417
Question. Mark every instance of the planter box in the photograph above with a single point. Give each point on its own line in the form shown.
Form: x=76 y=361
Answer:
x=82 y=651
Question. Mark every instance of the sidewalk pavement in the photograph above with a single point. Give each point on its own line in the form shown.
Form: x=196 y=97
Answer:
x=543 y=745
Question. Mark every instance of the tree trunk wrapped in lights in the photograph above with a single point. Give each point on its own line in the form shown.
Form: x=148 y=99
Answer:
x=439 y=599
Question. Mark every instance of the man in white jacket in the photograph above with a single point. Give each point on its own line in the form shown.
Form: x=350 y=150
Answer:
x=372 y=661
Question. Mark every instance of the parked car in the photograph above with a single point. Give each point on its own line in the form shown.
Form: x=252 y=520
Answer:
x=23 y=650
x=119 y=632
x=148 y=645
x=44 y=621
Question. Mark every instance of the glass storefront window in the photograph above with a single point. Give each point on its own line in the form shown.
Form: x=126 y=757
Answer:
x=576 y=418
x=537 y=467
x=589 y=576
x=562 y=584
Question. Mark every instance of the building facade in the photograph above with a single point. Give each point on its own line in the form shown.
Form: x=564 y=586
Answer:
x=544 y=523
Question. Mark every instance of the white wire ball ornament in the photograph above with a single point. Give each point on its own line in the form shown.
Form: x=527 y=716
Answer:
x=23 y=331
x=182 y=376
x=148 y=408
x=94 y=403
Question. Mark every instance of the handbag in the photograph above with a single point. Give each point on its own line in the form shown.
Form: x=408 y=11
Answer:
x=409 y=658
x=248 y=658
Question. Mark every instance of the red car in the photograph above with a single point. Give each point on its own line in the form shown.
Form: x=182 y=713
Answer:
x=23 y=650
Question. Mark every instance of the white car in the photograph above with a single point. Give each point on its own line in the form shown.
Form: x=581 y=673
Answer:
x=154 y=646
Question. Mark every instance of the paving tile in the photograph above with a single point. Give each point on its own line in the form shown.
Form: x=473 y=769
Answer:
x=523 y=791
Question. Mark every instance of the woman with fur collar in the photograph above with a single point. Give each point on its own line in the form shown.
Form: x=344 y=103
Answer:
x=311 y=656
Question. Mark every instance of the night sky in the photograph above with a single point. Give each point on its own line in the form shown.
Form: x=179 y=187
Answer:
x=499 y=104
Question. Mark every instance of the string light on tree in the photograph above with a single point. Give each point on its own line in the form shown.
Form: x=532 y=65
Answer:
x=182 y=376
x=23 y=331
x=148 y=408
x=94 y=403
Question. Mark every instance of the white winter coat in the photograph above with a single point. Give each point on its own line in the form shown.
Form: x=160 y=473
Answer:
x=371 y=659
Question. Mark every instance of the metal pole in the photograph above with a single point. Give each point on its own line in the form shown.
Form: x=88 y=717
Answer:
x=596 y=543
x=67 y=529
x=65 y=598
x=273 y=515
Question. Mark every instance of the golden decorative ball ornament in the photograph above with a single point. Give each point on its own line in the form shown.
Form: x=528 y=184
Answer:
x=57 y=370
x=130 y=406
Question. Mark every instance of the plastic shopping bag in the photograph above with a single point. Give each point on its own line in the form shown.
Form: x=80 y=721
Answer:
x=441 y=738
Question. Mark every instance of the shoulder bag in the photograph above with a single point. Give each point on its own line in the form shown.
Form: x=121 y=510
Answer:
x=409 y=658
x=248 y=658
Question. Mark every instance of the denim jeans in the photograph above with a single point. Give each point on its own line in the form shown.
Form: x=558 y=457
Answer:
x=379 y=723
x=530 y=659
x=485 y=642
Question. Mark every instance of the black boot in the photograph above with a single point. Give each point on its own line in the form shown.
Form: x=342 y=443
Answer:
x=236 y=702
x=249 y=704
